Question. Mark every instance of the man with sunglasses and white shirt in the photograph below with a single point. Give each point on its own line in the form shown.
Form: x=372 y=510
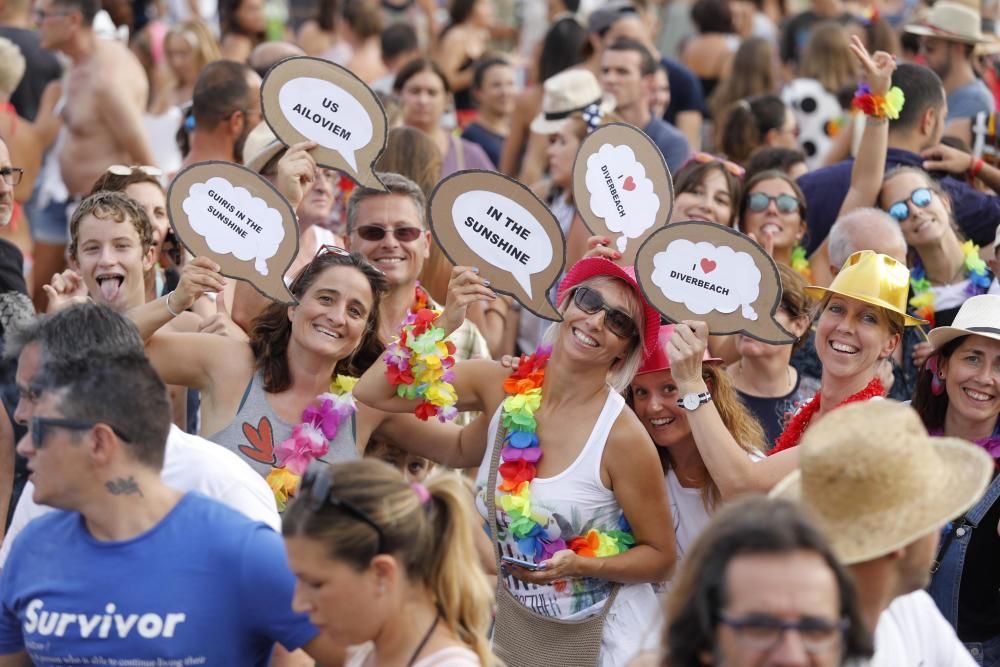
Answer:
x=129 y=570
x=388 y=229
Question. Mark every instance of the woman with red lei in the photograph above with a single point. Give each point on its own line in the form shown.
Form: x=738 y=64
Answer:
x=577 y=485
x=958 y=395
x=861 y=319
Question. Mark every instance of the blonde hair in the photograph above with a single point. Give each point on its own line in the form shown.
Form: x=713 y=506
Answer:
x=621 y=372
x=199 y=38
x=432 y=540
x=827 y=58
x=12 y=67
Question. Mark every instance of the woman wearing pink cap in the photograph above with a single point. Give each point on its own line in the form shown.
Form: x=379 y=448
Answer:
x=579 y=496
x=660 y=406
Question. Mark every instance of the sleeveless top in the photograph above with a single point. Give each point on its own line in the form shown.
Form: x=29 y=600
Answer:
x=257 y=429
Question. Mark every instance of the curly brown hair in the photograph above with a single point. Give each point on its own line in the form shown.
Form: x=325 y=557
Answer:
x=272 y=329
x=115 y=206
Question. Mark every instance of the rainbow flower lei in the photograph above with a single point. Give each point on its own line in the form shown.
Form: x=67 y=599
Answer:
x=800 y=263
x=878 y=106
x=419 y=362
x=519 y=466
x=923 y=298
x=310 y=440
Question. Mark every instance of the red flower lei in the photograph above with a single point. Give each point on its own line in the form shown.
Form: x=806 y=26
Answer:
x=800 y=421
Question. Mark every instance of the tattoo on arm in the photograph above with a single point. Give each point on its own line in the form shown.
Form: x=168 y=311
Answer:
x=123 y=487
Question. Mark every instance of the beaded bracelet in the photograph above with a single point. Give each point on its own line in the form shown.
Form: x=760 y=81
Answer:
x=879 y=106
x=419 y=363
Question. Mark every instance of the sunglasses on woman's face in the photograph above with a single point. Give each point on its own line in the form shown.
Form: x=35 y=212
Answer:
x=900 y=211
x=759 y=201
x=376 y=233
x=618 y=322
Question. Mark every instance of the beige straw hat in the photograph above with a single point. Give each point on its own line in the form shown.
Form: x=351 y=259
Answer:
x=876 y=481
x=567 y=93
x=261 y=145
x=979 y=315
x=955 y=21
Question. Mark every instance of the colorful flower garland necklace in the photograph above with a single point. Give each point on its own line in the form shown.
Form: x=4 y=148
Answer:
x=923 y=297
x=800 y=263
x=800 y=420
x=310 y=440
x=419 y=362
x=519 y=466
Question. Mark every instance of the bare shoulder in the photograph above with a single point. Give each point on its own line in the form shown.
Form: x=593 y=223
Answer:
x=628 y=439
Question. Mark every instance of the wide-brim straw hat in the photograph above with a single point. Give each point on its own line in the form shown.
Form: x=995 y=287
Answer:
x=952 y=21
x=566 y=93
x=872 y=278
x=978 y=316
x=261 y=145
x=876 y=481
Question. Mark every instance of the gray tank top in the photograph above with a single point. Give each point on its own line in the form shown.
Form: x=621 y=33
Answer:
x=257 y=430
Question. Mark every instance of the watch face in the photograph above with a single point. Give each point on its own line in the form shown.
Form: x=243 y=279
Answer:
x=691 y=401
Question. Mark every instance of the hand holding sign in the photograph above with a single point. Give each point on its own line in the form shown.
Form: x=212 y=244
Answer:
x=311 y=99
x=239 y=220
x=486 y=220
x=622 y=186
x=703 y=271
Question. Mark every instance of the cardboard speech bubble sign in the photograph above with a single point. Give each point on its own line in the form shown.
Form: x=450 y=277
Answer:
x=487 y=220
x=703 y=271
x=231 y=214
x=622 y=186
x=311 y=99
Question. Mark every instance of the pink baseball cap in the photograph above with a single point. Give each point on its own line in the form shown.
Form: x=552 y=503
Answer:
x=659 y=361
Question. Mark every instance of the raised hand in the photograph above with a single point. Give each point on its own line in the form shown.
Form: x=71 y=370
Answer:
x=64 y=290
x=686 y=349
x=464 y=288
x=199 y=276
x=878 y=67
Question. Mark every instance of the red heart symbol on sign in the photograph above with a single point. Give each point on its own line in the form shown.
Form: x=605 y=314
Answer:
x=629 y=184
x=707 y=265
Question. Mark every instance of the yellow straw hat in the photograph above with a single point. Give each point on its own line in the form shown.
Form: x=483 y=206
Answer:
x=873 y=278
x=876 y=481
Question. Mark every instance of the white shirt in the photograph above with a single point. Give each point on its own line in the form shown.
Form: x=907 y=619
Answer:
x=912 y=632
x=190 y=463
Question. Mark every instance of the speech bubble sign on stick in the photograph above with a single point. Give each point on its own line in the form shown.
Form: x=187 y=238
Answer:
x=622 y=186
x=231 y=214
x=487 y=220
x=704 y=271
x=311 y=99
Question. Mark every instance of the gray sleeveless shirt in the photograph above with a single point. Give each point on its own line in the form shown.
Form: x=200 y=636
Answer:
x=257 y=430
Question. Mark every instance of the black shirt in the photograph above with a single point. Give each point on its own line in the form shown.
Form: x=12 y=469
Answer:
x=979 y=592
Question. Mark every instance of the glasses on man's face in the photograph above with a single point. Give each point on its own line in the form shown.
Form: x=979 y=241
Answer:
x=12 y=175
x=921 y=198
x=376 y=233
x=40 y=424
x=763 y=633
x=128 y=170
x=317 y=488
x=618 y=322
x=42 y=14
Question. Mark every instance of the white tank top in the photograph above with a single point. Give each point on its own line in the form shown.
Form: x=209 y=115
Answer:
x=575 y=501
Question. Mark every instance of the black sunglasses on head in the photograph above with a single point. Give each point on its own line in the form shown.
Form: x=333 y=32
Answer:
x=618 y=322
x=317 y=486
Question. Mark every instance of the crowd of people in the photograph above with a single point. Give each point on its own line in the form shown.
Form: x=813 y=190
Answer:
x=407 y=467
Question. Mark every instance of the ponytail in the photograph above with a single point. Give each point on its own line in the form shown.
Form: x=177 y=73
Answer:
x=459 y=584
x=427 y=530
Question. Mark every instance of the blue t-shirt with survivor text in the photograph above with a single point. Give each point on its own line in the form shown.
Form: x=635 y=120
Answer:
x=206 y=586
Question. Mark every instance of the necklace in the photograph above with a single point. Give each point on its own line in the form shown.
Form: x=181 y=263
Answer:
x=538 y=537
x=423 y=642
x=800 y=421
x=310 y=440
x=789 y=385
x=923 y=297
